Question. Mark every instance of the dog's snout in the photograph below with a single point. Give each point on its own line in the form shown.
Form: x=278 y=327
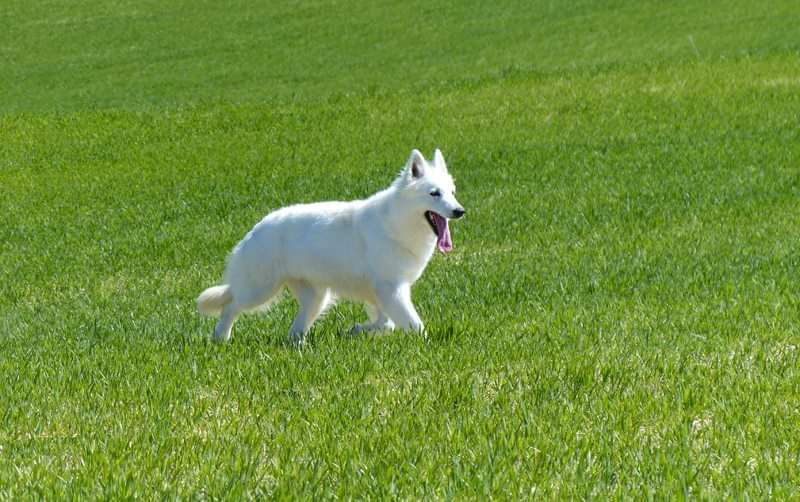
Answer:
x=458 y=213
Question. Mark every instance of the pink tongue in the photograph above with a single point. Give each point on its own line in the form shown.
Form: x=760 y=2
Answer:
x=444 y=243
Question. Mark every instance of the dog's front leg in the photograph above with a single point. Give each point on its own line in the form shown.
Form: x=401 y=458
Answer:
x=395 y=301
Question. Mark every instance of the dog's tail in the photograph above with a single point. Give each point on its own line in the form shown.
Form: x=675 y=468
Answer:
x=211 y=301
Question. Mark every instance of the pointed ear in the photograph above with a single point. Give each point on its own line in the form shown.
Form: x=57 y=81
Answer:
x=438 y=159
x=416 y=164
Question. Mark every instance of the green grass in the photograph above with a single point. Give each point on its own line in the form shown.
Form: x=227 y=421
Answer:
x=619 y=317
x=78 y=54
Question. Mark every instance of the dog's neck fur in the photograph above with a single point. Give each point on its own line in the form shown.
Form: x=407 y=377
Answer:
x=405 y=224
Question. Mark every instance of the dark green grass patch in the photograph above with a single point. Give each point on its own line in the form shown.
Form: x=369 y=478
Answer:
x=140 y=53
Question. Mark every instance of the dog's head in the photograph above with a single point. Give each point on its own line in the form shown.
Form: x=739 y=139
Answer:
x=431 y=189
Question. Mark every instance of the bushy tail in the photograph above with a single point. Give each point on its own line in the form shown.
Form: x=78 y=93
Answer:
x=211 y=301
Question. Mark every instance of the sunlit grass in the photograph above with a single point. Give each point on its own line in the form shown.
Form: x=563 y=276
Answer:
x=619 y=316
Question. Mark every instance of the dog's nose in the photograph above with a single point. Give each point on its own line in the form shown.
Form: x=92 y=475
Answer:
x=458 y=213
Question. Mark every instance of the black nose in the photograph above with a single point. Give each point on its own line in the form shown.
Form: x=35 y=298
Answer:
x=458 y=213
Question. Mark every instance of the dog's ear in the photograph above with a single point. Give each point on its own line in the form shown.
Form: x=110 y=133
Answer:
x=416 y=164
x=438 y=159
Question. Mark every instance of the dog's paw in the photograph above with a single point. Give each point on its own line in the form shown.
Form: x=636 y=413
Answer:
x=297 y=341
x=357 y=330
x=371 y=328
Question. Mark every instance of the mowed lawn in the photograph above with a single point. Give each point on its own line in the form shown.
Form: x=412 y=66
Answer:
x=619 y=317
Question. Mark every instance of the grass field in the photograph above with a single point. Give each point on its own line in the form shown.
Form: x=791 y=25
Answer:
x=619 y=317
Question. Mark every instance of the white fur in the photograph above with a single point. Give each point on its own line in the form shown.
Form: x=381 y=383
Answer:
x=369 y=250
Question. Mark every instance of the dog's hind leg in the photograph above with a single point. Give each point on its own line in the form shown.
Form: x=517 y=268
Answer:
x=222 y=332
x=378 y=321
x=243 y=300
x=395 y=301
x=312 y=302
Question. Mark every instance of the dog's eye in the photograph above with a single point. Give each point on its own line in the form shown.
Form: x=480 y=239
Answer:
x=436 y=193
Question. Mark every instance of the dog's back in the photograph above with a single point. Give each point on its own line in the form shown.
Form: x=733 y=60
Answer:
x=318 y=243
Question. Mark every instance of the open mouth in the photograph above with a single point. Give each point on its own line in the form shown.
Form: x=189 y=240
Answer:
x=441 y=229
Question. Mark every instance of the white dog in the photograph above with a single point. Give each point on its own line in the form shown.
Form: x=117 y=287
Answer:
x=369 y=250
